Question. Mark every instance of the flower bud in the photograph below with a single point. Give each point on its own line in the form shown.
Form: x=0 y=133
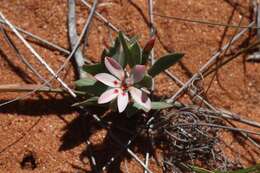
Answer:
x=149 y=45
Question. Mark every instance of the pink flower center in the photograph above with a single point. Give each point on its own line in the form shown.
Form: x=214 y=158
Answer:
x=124 y=87
x=116 y=91
x=115 y=82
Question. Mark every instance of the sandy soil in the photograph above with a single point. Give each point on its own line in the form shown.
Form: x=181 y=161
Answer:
x=41 y=131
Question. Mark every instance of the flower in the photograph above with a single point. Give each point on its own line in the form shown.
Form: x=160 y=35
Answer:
x=121 y=84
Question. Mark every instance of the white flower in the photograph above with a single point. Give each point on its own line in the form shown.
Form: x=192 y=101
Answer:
x=121 y=83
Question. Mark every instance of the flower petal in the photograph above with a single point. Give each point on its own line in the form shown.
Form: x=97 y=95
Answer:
x=109 y=95
x=138 y=73
x=108 y=79
x=141 y=98
x=114 y=68
x=122 y=101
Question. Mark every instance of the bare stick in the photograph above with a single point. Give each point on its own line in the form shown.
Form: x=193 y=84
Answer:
x=102 y=18
x=85 y=41
x=18 y=54
x=38 y=57
x=112 y=159
x=146 y=161
x=73 y=37
x=92 y=158
x=205 y=66
x=232 y=116
x=122 y=145
x=241 y=51
x=26 y=88
x=85 y=29
x=205 y=22
x=138 y=160
x=152 y=30
x=219 y=112
x=218 y=126
x=255 y=57
x=52 y=45
x=86 y=26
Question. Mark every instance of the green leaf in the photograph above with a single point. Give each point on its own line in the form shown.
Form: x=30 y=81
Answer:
x=139 y=107
x=115 y=52
x=134 y=39
x=146 y=82
x=155 y=105
x=161 y=105
x=145 y=57
x=127 y=53
x=89 y=102
x=104 y=54
x=200 y=170
x=164 y=63
x=111 y=51
x=135 y=51
x=95 y=69
x=252 y=169
x=120 y=58
x=91 y=86
x=85 y=82
x=118 y=54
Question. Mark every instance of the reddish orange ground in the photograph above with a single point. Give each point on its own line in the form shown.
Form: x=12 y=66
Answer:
x=36 y=123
